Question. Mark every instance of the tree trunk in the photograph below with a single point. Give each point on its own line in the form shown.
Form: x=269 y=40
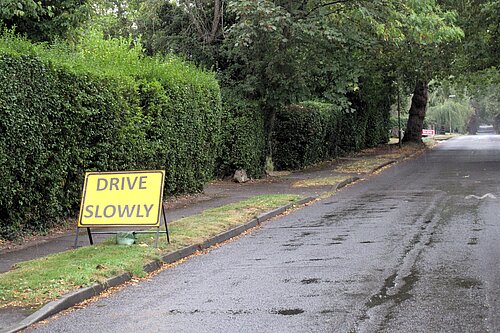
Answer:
x=417 y=112
x=216 y=22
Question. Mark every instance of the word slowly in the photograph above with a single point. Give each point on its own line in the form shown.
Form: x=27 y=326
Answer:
x=113 y=211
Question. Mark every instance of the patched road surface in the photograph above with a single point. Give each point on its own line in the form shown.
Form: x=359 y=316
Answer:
x=413 y=249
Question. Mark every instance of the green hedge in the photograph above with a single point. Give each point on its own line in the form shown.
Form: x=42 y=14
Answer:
x=302 y=134
x=102 y=106
x=98 y=108
x=182 y=128
x=310 y=132
x=55 y=126
x=378 y=95
x=244 y=139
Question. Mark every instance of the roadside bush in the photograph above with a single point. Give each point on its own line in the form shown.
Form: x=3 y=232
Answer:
x=243 y=141
x=394 y=124
x=378 y=126
x=182 y=128
x=352 y=128
x=378 y=96
x=310 y=132
x=303 y=134
x=55 y=126
x=99 y=106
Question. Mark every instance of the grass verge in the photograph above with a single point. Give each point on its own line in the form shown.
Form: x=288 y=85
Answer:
x=362 y=166
x=37 y=282
x=325 y=181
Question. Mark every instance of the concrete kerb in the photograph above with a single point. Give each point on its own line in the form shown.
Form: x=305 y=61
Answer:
x=383 y=165
x=350 y=180
x=73 y=298
x=67 y=301
x=346 y=182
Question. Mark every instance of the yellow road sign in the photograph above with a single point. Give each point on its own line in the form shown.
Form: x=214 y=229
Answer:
x=130 y=198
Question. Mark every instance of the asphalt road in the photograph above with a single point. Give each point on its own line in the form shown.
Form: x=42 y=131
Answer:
x=413 y=249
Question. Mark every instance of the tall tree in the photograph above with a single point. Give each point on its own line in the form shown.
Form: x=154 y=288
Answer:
x=282 y=52
x=421 y=32
x=116 y=18
x=480 y=21
x=414 y=40
x=276 y=52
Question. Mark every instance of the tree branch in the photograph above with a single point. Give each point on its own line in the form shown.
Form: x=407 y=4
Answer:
x=215 y=21
x=194 y=19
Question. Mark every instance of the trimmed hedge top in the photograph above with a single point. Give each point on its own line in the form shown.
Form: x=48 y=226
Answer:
x=119 y=58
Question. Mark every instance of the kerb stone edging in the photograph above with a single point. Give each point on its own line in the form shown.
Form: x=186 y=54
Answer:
x=78 y=296
x=346 y=182
x=350 y=180
x=378 y=167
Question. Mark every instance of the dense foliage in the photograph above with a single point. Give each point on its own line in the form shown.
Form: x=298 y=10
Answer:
x=243 y=138
x=451 y=110
x=312 y=131
x=44 y=20
x=100 y=107
x=476 y=61
x=303 y=133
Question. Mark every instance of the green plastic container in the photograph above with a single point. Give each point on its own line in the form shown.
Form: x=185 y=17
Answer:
x=125 y=238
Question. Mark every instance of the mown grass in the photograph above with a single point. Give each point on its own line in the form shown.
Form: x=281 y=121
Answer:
x=36 y=282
